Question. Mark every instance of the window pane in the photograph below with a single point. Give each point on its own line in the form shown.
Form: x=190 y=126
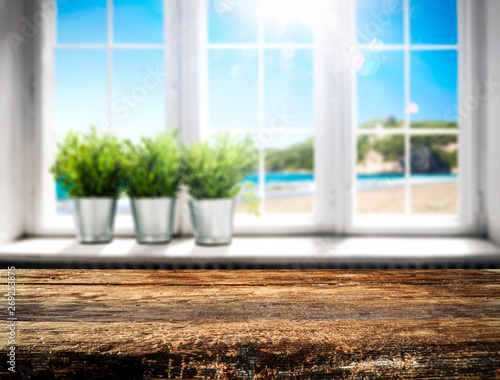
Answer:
x=380 y=90
x=138 y=90
x=138 y=21
x=289 y=97
x=232 y=21
x=80 y=89
x=288 y=22
x=233 y=97
x=433 y=77
x=249 y=191
x=64 y=204
x=289 y=162
x=81 y=21
x=380 y=174
x=380 y=20
x=434 y=167
x=433 y=22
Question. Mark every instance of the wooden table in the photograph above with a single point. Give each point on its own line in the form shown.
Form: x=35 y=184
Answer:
x=276 y=324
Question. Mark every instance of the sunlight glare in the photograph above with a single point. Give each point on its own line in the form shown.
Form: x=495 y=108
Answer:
x=285 y=11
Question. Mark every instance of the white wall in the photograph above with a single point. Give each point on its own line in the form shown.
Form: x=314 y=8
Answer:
x=12 y=101
x=14 y=107
x=489 y=67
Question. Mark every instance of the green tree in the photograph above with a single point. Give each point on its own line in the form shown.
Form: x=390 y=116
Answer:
x=392 y=147
x=299 y=156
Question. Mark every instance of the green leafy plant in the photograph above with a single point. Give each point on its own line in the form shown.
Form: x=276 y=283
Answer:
x=89 y=165
x=152 y=167
x=215 y=169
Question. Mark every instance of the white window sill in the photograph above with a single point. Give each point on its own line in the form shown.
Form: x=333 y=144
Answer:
x=297 y=252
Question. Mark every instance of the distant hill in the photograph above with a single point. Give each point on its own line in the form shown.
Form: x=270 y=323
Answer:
x=300 y=156
x=296 y=157
x=392 y=123
x=430 y=149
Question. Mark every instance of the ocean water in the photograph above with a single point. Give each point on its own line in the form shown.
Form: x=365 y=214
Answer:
x=280 y=178
x=363 y=181
x=377 y=181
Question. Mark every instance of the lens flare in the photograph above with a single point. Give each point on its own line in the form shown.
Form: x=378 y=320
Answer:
x=376 y=45
x=282 y=12
x=412 y=108
x=367 y=63
x=358 y=60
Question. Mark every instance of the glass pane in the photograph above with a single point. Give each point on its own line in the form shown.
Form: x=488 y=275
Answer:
x=289 y=162
x=81 y=21
x=138 y=21
x=380 y=89
x=64 y=205
x=250 y=191
x=434 y=177
x=232 y=21
x=288 y=22
x=289 y=95
x=138 y=90
x=380 y=174
x=433 y=22
x=80 y=89
x=232 y=88
x=434 y=76
x=379 y=20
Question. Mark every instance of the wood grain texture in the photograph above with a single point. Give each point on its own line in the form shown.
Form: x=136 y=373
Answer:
x=276 y=324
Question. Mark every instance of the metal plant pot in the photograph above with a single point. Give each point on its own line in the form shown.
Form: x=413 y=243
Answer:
x=154 y=219
x=212 y=220
x=94 y=219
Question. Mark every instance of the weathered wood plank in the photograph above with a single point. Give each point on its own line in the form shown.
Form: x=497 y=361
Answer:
x=324 y=324
x=255 y=277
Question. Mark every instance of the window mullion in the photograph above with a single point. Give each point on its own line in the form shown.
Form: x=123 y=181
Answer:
x=261 y=79
x=407 y=68
x=109 y=9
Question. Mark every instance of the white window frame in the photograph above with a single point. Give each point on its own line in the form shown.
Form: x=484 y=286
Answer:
x=185 y=59
x=466 y=222
x=46 y=221
x=269 y=223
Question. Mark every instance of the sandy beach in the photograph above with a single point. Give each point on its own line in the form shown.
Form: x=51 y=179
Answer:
x=435 y=198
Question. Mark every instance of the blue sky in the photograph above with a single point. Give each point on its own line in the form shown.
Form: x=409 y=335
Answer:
x=82 y=21
x=81 y=88
x=233 y=89
x=382 y=94
x=433 y=81
x=433 y=74
x=81 y=75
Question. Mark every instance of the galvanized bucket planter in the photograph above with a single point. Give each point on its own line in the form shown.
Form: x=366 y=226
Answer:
x=212 y=220
x=154 y=219
x=94 y=219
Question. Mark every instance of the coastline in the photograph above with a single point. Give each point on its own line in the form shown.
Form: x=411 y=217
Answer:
x=426 y=198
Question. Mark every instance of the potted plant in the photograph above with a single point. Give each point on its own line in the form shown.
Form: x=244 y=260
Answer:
x=213 y=172
x=89 y=169
x=152 y=180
